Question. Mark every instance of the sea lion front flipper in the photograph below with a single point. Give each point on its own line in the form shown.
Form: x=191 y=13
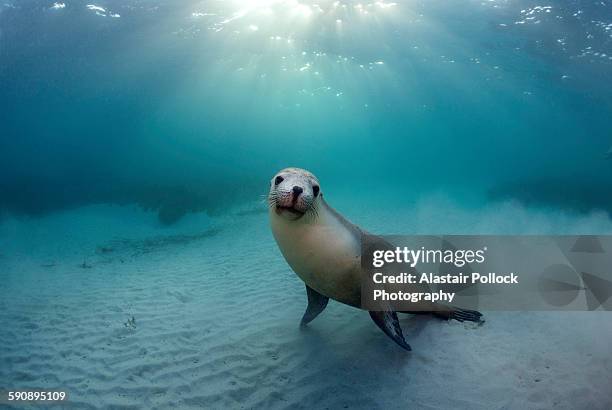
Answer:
x=316 y=305
x=388 y=322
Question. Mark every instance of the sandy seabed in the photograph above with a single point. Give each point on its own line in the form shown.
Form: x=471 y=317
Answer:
x=215 y=314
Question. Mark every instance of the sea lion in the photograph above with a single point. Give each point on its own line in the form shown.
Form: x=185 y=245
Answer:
x=324 y=250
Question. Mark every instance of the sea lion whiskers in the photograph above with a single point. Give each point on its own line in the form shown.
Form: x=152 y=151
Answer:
x=265 y=198
x=270 y=199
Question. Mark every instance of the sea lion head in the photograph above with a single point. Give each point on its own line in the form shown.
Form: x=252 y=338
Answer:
x=294 y=193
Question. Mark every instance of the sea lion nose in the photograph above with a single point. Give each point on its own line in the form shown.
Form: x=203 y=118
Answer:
x=297 y=190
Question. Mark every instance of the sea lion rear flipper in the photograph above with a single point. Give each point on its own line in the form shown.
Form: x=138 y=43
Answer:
x=388 y=322
x=451 y=312
x=460 y=315
x=316 y=305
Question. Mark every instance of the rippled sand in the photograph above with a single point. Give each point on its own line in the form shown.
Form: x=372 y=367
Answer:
x=216 y=315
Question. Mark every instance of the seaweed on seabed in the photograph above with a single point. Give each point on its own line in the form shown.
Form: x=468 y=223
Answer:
x=173 y=202
x=147 y=245
x=131 y=323
x=104 y=249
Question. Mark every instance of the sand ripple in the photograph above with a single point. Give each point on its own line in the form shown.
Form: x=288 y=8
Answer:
x=218 y=329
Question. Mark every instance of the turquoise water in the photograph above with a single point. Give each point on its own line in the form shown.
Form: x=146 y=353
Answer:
x=195 y=105
x=137 y=137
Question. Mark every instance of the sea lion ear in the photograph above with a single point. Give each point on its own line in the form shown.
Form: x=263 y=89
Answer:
x=389 y=324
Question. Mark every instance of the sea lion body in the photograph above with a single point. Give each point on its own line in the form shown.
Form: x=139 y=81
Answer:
x=324 y=253
x=324 y=250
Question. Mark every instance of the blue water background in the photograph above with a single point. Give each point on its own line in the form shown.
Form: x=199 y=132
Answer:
x=193 y=106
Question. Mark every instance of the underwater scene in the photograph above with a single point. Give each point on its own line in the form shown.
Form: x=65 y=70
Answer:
x=141 y=146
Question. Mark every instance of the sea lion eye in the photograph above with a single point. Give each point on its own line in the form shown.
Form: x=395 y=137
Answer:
x=315 y=190
x=278 y=180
